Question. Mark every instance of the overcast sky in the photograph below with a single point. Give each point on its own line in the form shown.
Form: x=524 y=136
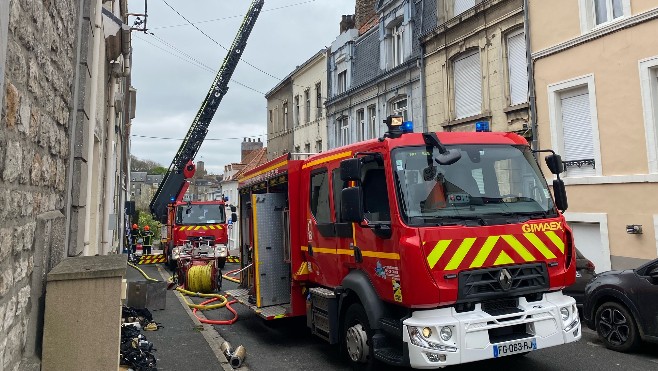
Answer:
x=174 y=67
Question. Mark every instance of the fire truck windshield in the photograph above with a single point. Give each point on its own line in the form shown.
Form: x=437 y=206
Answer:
x=200 y=214
x=490 y=184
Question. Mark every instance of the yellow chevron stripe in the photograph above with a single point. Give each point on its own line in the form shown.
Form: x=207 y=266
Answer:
x=556 y=240
x=437 y=252
x=460 y=254
x=518 y=247
x=484 y=251
x=503 y=258
x=536 y=242
x=327 y=159
x=212 y=227
x=218 y=226
x=197 y=227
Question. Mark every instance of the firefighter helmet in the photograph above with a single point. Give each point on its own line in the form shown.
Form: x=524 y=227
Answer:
x=135 y=226
x=146 y=228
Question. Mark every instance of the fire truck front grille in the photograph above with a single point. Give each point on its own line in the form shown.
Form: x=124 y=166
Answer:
x=491 y=283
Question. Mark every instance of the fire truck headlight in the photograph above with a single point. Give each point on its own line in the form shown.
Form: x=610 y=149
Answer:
x=221 y=251
x=446 y=333
x=417 y=338
x=175 y=253
x=564 y=312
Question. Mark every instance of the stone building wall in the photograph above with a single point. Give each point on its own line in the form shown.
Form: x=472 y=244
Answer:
x=34 y=152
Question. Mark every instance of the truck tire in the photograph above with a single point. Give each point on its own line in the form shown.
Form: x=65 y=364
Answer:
x=357 y=338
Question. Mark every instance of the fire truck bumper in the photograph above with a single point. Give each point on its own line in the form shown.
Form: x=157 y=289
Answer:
x=442 y=337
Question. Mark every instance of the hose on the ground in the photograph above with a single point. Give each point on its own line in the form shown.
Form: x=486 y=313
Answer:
x=228 y=274
x=142 y=272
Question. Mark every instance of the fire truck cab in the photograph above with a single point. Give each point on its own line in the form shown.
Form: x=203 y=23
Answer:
x=416 y=249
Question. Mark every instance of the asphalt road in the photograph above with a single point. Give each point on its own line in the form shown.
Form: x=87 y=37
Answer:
x=287 y=344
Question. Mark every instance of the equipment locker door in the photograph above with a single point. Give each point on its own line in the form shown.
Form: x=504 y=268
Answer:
x=272 y=273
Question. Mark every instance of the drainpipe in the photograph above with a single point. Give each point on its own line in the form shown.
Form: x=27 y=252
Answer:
x=531 y=77
x=93 y=95
x=423 y=98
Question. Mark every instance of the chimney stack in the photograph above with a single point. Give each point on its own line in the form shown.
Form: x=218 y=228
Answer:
x=364 y=15
x=346 y=23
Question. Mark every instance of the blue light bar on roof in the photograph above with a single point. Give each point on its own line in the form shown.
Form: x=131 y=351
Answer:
x=407 y=127
x=482 y=126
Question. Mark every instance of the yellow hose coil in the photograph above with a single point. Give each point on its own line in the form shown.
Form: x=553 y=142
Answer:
x=199 y=278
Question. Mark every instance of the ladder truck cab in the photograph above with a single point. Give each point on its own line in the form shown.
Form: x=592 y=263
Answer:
x=415 y=249
x=194 y=224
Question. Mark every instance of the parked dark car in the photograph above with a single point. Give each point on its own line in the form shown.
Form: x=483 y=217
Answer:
x=622 y=306
x=584 y=274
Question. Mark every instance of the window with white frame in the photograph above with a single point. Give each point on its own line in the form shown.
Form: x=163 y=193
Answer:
x=307 y=111
x=318 y=100
x=297 y=110
x=577 y=135
x=307 y=148
x=517 y=67
x=342 y=82
x=372 y=121
x=607 y=10
x=467 y=85
x=344 y=127
x=361 y=124
x=594 y=13
x=649 y=91
x=285 y=116
x=397 y=45
x=399 y=107
x=463 y=5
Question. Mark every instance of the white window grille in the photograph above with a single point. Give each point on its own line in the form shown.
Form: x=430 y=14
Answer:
x=468 y=86
x=518 y=71
x=361 y=124
x=372 y=121
x=607 y=10
x=342 y=82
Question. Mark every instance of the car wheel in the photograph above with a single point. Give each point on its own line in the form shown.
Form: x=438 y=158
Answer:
x=616 y=327
x=357 y=338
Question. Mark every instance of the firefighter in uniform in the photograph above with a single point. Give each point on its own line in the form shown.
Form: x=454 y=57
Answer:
x=147 y=235
x=135 y=234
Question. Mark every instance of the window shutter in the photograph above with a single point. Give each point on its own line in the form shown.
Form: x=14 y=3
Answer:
x=518 y=71
x=463 y=5
x=577 y=131
x=468 y=86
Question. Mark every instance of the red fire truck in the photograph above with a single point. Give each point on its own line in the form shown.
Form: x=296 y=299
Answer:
x=191 y=223
x=415 y=249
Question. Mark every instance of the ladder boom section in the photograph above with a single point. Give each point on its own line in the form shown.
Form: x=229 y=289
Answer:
x=172 y=182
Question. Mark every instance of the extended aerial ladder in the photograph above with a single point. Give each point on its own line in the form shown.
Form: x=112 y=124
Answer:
x=174 y=180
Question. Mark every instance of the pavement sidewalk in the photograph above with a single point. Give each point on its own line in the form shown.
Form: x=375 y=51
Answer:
x=183 y=343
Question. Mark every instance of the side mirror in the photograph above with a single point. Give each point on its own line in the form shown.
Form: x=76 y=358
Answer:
x=350 y=169
x=233 y=209
x=449 y=157
x=560 y=194
x=234 y=217
x=555 y=164
x=351 y=204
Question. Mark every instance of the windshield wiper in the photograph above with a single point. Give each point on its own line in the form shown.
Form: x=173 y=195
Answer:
x=450 y=220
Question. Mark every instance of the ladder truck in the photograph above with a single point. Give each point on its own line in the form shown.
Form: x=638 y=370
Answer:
x=188 y=222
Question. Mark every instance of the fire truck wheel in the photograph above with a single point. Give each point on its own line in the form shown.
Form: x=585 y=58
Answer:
x=357 y=338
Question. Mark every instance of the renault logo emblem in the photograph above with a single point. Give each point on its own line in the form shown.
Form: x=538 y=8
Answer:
x=505 y=279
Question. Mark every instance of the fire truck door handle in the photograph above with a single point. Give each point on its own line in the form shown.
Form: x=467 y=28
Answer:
x=358 y=257
x=310 y=249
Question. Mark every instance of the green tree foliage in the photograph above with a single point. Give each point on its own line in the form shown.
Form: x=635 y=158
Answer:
x=137 y=164
x=158 y=170
x=154 y=225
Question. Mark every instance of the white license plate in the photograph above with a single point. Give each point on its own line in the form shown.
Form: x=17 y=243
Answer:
x=514 y=347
